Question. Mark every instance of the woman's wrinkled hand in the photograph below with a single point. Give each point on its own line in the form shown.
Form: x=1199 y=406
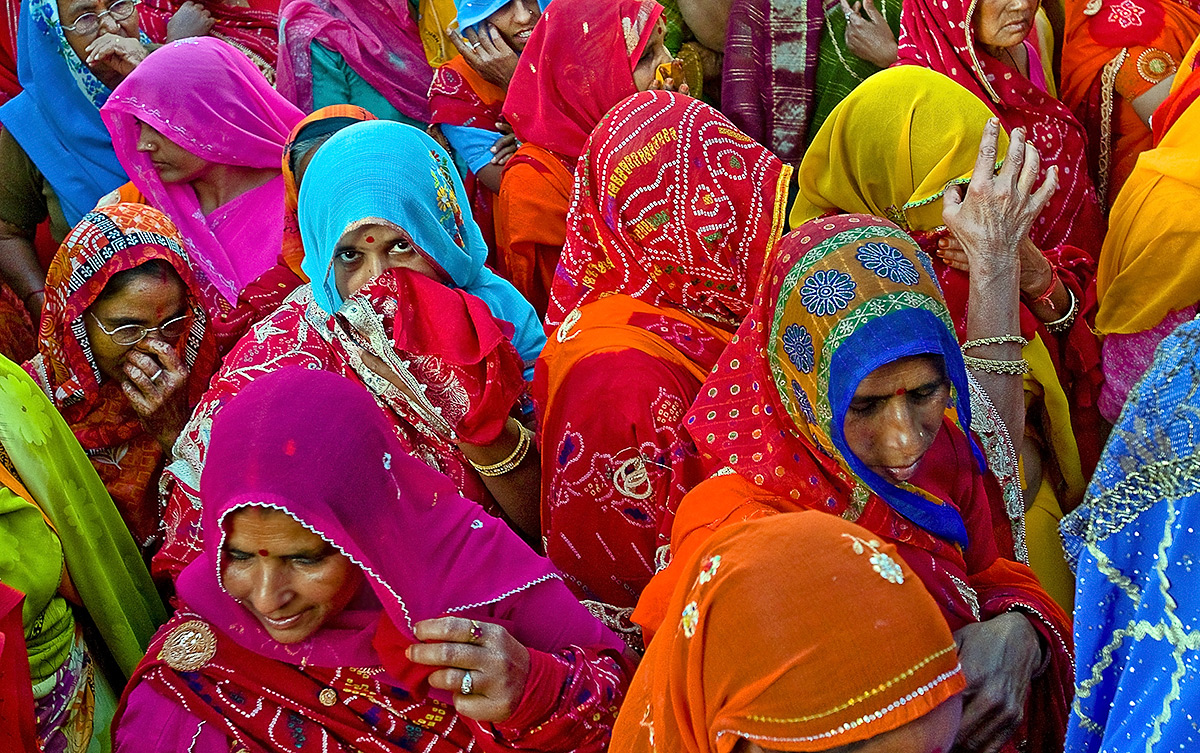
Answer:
x=1036 y=271
x=191 y=20
x=999 y=658
x=487 y=53
x=869 y=38
x=498 y=663
x=506 y=146
x=119 y=54
x=997 y=210
x=156 y=386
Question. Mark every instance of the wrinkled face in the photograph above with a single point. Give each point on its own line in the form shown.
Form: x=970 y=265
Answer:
x=932 y=733
x=515 y=22
x=367 y=252
x=896 y=414
x=1002 y=24
x=288 y=577
x=173 y=163
x=146 y=300
x=69 y=11
x=654 y=55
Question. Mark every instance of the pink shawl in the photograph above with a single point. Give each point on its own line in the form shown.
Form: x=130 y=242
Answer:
x=938 y=34
x=208 y=98
x=376 y=38
x=317 y=446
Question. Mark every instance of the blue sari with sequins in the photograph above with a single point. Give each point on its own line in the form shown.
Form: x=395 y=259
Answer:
x=1133 y=545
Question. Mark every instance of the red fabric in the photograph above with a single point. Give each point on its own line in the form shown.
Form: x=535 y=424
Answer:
x=674 y=207
x=105 y=242
x=18 y=341
x=254 y=303
x=17 y=726
x=9 y=85
x=578 y=64
x=255 y=28
x=1184 y=92
x=474 y=377
x=938 y=34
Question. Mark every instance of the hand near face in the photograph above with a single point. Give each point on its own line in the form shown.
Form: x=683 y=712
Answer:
x=498 y=663
x=116 y=53
x=156 y=385
x=997 y=210
x=487 y=53
x=999 y=658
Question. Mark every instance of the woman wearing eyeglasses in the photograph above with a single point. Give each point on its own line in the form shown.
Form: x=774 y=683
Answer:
x=125 y=350
x=56 y=157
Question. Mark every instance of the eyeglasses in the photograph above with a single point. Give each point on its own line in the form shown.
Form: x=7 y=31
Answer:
x=132 y=334
x=89 y=23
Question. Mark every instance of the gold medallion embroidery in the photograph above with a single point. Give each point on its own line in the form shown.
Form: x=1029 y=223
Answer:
x=189 y=646
x=327 y=697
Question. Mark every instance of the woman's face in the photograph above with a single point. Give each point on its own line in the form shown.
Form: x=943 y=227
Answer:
x=932 y=733
x=288 y=577
x=364 y=254
x=515 y=22
x=1002 y=24
x=173 y=163
x=653 y=56
x=147 y=300
x=896 y=414
x=70 y=11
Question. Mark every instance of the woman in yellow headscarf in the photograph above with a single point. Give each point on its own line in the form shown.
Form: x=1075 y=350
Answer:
x=894 y=157
x=1149 y=277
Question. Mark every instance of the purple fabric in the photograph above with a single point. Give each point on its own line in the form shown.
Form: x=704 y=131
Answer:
x=1126 y=358
x=317 y=445
x=376 y=38
x=768 y=85
x=208 y=98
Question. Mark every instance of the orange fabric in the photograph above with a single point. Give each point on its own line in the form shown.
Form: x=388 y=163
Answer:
x=292 y=253
x=800 y=632
x=488 y=93
x=531 y=221
x=1150 y=51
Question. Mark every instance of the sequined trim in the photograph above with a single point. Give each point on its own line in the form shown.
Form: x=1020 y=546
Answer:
x=1108 y=87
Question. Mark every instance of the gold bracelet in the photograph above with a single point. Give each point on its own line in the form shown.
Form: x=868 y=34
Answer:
x=1058 y=326
x=510 y=463
x=998 y=340
x=995 y=366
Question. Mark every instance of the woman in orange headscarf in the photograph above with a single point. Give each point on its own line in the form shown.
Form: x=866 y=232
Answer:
x=800 y=632
x=1118 y=62
x=1148 y=282
x=582 y=59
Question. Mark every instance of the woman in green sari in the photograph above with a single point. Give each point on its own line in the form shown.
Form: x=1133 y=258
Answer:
x=63 y=544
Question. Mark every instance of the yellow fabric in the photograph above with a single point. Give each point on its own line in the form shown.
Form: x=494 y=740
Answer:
x=1045 y=43
x=1046 y=556
x=433 y=18
x=1149 y=266
x=1042 y=382
x=892 y=156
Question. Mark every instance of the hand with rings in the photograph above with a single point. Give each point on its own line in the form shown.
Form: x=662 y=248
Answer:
x=156 y=386
x=480 y=663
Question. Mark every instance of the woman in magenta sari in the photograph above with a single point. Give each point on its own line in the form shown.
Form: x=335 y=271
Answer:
x=201 y=133
x=299 y=628
x=986 y=46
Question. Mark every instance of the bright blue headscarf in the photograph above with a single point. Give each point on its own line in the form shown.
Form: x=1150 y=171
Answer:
x=382 y=170
x=56 y=119
x=471 y=12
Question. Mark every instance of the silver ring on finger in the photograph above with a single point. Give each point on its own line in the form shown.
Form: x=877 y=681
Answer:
x=466 y=686
x=157 y=374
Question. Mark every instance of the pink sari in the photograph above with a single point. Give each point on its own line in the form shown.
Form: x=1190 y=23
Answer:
x=209 y=98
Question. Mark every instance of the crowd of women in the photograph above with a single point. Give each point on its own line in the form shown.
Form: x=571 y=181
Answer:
x=586 y=375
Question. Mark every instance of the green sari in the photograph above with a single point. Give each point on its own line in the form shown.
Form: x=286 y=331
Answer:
x=838 y=70
x=56 y=517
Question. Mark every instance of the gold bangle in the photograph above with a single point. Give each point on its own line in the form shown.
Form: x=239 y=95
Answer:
x=996 y=366
x=1058 y=326
x=998 y=340
x=510 y=463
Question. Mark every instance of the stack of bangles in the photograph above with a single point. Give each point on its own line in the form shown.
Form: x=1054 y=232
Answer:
x=510 y=463
x=993 y=365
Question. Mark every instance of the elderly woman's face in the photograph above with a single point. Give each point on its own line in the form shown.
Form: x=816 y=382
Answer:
x=70 y=11
x=654 y=55
x=367 y=252
x=896 y=414
x=150 y=301
x=289 y=578
x=515 y=22
x=1001 y=24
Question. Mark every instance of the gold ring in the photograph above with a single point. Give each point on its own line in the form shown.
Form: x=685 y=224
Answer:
x=476 y=632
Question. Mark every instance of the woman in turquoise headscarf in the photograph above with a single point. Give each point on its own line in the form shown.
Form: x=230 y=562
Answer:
x=400 y=300
x=64 y=545
x=56 y=157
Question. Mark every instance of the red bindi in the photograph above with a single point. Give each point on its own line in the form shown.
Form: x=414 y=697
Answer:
x=900 y=391
x=263 y=553
x=370 y=239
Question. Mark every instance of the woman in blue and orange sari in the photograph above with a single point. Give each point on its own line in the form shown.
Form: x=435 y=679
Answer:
x=651 y=285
